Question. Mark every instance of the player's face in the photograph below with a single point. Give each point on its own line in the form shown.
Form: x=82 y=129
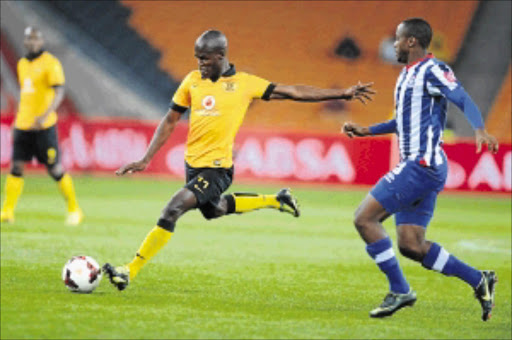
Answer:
x=33 y=42
x=210 y=63
x=401 y=45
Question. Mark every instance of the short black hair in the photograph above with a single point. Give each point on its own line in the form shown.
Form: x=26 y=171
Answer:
x=212 y=40
x=420 y=29
x=32 y=29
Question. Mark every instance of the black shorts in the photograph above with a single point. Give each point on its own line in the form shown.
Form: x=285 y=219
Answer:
x=41 y=143
x=208 y=184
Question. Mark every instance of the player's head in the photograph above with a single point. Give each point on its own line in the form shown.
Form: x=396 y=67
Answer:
x=411 y=34
x=33 y=39
x=210 y=51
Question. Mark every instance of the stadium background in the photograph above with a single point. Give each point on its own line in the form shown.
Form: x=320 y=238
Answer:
x=124 y=59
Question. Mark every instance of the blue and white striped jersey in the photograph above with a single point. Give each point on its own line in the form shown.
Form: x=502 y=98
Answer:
x=421 y=93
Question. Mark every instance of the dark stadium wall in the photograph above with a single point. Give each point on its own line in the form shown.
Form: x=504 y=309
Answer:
x=484 y=59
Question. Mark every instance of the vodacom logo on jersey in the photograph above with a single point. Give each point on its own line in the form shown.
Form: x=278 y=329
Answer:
x=208 y=103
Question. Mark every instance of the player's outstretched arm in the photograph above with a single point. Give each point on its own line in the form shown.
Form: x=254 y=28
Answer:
x=352 y=129
x=162 y=133
x=441 y=78
x=464 y=102
x=305 y=93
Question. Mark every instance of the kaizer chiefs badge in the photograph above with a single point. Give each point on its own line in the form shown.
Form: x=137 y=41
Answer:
x=229 y=86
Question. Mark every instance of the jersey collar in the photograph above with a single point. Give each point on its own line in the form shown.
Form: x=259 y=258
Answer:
x=230 y=72
x=428 y=56
x=31 y=56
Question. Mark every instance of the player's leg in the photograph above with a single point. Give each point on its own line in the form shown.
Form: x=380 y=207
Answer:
x=182 y=201
x=411 y=229
x=283 y=201
x=23 y=151
x=239 y=203
x=412 y=244
x=67 y=189
x=395 y=191
x=13 y=187
x=368 y=221
x=49 y=155
x=211 y=183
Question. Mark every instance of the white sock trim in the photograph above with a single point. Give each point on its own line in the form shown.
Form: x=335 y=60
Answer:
x=441 y=260
x=385 y=255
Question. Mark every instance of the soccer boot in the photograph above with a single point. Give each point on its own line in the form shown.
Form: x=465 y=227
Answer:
x=119 y=276
x=485 y=293
x=393 y=302
x=74 y=217
x=6 y=217
x=288 y=203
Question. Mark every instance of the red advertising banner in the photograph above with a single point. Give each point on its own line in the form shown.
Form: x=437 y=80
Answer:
x=105 y=145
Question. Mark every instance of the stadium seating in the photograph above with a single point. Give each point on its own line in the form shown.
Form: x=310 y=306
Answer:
x=499 y=119
x=111 y=30
x=297 y=46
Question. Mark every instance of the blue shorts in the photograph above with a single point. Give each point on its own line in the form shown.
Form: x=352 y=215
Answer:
x=410 y=191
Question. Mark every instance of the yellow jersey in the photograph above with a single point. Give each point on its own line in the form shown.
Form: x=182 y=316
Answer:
x=217 y=110
x=37 y=78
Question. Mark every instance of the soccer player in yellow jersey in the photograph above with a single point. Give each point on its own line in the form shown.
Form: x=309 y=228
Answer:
x=218 y=97
x=41 y=81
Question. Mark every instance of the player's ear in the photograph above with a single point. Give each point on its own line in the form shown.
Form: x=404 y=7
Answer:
x=411 y=41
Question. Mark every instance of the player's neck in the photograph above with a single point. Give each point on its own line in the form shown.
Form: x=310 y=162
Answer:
x=415 y=56
x=33 y=55
x=225 y=67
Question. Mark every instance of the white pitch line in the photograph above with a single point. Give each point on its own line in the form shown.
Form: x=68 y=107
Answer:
x=486 y=248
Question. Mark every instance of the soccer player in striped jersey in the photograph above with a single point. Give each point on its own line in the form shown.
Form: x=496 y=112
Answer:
x=218 y=97
x=409 y=191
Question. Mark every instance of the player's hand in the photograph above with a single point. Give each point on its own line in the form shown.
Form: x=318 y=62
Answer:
x=132 y=167
x=361 y=92
x=482 y=137
x=353 y=129
x=38 y=123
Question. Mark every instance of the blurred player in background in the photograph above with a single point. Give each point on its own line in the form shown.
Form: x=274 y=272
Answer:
x=218 y=97
x=410 y=190
x=41 y=81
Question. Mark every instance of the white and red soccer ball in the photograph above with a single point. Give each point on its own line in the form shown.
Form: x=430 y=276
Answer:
x=81 y=274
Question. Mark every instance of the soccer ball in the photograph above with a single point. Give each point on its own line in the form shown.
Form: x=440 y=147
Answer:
x=81 y=274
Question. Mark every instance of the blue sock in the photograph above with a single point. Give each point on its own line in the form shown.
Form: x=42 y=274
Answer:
x=382 y=253
x=440 y=260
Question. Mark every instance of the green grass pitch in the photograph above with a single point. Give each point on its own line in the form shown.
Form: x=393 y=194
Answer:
x=264 y=274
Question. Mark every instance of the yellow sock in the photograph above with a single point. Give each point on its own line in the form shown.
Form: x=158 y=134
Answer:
x=13 y=189
x=250 y=202
x=68 y=191
x=152 y=244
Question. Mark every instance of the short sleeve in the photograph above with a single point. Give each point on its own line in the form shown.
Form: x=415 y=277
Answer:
x=441 y=80
x=181 y=97
x=259 y=87
x=55 y=73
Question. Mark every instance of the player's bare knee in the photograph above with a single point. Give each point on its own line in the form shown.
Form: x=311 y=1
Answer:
x=55 y=171
x=212 y=214
x=171 y=213
x=411 y=251
x=360 y=220
x=17 y=169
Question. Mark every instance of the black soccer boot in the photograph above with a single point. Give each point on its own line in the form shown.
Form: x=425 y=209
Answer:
x=119 y=276
x=288 y=202
x=392 y=303
x=484 y=292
